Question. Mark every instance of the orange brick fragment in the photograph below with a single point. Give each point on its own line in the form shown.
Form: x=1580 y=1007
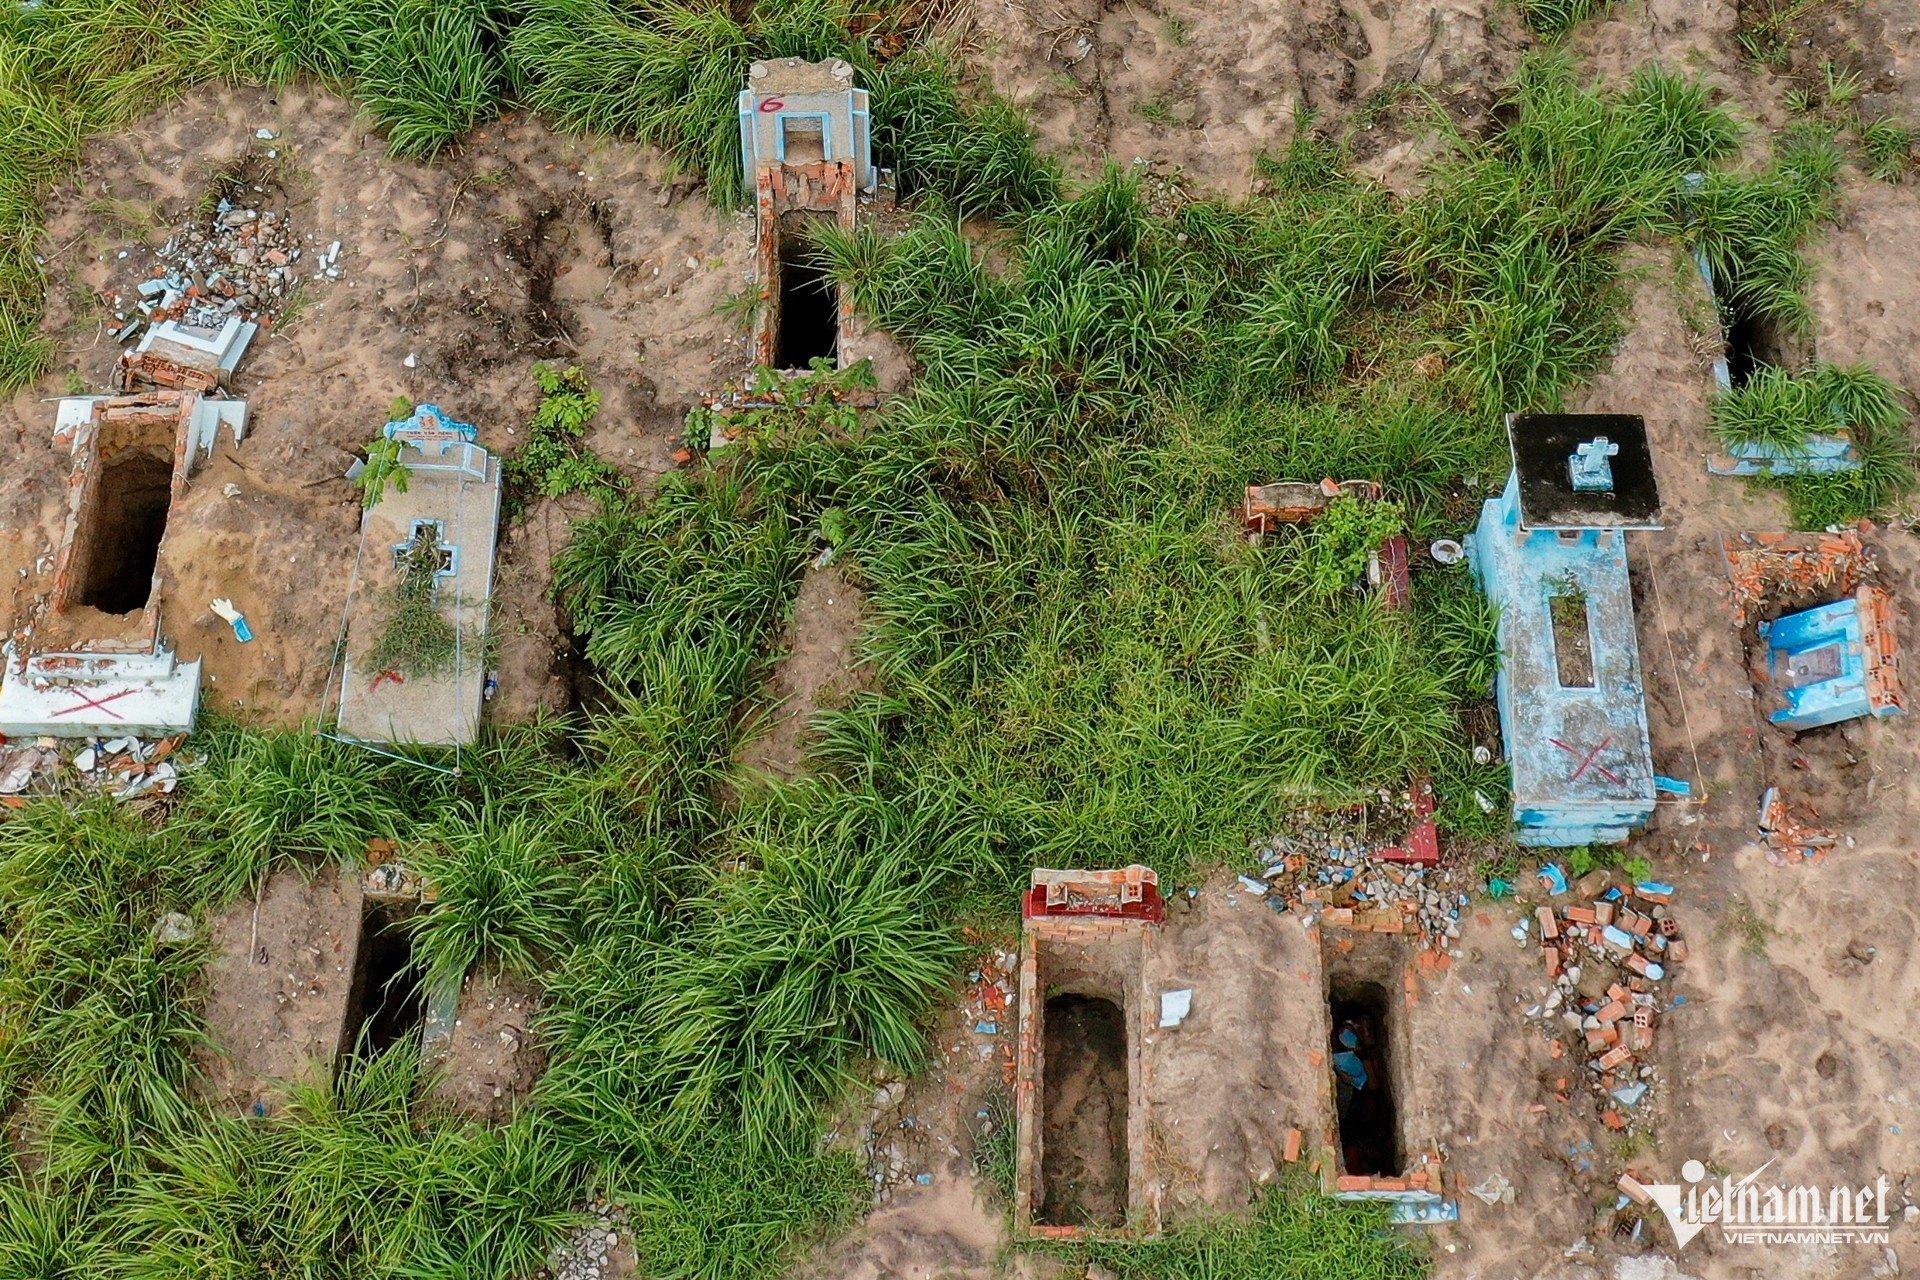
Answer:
x=1293 y=1145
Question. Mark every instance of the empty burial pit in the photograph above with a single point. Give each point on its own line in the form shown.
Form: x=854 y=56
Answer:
x=1361 y=1053
x=387 y=1001
x=1753 y=343
x=1083 y=1174
x=806 y=320
x=116 y=541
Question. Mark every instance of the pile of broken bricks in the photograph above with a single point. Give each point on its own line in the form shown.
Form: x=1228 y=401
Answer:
x=243 y=262
x=1787 y=833
x=1334 y=877
x=125 y=768
x=1605 y=961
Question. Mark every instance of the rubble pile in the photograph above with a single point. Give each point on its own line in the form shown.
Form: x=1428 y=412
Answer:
x=125 y=768
x=1788 y=834
x=587 y=1252
x=243 y=263
x=900 y=1146
x=1338 y=875
x=1765 y=570
x=1606 y=960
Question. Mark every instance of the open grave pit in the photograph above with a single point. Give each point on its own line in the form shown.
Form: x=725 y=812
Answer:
x=1817 y=778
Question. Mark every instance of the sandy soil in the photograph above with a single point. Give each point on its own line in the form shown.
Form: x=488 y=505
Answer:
x=491 y=1060
x=278 y=987
x=522 y=245
x=816 y=670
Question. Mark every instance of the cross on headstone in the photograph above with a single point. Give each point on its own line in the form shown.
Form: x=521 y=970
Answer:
x=1592 y=472
x=430 y=431
x=426 y=533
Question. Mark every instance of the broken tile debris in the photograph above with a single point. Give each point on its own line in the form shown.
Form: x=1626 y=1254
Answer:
x=1338 y=868
x=124 y=768
x=1605 y=962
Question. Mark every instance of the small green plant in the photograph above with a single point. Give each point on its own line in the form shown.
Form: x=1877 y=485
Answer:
x=554 y=461
x=1558 y=17
x=996 y=1145
x=1887 y=147
x=1346 y=534
x=1747 y=926
x=1155 y=110
x=1177 y=30
x=382 y=471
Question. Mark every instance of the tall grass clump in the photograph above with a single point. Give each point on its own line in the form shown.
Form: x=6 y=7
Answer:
x=276 y=797
x=503 y=896
x=823 y=945
x=427 y=70
x=1749 y=228
x=1294 y=1233
x=1558 y=17
x=1782 y=411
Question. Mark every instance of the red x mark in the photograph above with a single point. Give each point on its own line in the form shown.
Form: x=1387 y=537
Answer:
x=1588 y=762
x=87 y=703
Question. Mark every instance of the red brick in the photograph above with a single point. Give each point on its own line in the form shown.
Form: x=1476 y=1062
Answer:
x=1548 y=929
x=1612 y=1011
x=1350 y=1183
x=1603 y=913
x=1614 y=1057
x=1613 y=1119
x=1293 y=1145
x=1580 y=915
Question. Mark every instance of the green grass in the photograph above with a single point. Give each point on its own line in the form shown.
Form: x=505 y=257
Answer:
x=1558 y=17
x=1079 y=658
x=1783 y=410
x=1293 y=1233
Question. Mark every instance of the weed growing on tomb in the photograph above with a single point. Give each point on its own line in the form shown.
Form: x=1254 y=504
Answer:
x=1783 y=412
x=416 y=639
x=384 y=472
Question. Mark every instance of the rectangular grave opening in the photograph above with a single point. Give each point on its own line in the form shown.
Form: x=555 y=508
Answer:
x=807 y=324
x=117 y=539
x=1572 y=637
x=1084 y=1092
x=1361 y=1054
x=387 y=1001
x=1753 y=343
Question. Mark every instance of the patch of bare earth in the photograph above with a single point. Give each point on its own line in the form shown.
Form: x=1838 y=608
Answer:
x=279 y=987
x=817 y=670
x=490 y=1060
